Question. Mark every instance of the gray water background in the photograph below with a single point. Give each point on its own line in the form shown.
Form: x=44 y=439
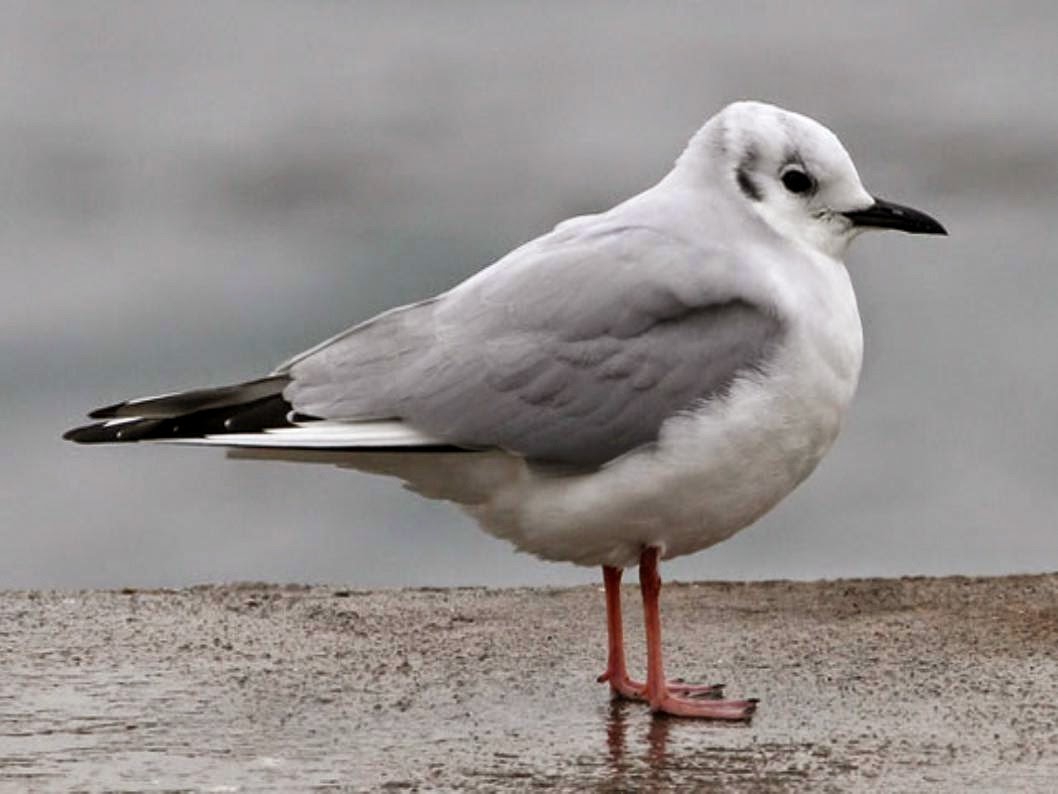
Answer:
x=190 y=192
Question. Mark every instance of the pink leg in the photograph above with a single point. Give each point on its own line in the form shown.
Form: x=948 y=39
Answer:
x=664 y=698
x=616 y=671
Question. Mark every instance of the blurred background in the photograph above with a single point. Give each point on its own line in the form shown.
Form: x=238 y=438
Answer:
x=191 y=192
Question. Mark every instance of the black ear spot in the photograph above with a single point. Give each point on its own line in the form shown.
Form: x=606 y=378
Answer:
x=746 y=184
x=797 y=181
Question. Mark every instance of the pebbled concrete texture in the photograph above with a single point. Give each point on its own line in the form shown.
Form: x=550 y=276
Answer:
x=865 y=685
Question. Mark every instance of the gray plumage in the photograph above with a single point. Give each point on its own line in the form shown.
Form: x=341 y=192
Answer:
x=606 y=350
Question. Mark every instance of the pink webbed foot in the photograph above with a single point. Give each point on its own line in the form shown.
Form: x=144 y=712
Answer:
x=678 y=686
x=624 y=687
x=677 y=705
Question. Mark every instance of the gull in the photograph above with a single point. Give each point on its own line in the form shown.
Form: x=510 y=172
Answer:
x=633 y=386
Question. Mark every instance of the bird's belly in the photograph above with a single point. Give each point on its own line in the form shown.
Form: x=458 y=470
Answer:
x=713 y=472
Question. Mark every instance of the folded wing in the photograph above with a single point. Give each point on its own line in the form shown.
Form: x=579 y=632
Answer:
x=574 y=349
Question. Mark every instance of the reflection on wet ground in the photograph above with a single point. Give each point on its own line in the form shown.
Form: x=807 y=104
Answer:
x=655 y=757
x=664 y=752
x=865 y=685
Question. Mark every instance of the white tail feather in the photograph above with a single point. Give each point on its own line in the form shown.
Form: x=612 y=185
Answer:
x=321 y=435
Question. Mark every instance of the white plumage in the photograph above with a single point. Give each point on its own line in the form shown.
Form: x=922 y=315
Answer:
x=634 y=385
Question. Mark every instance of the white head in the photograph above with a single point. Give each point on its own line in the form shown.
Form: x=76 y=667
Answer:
x=795 y=175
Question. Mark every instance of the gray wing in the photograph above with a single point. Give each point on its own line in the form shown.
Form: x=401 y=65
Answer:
x=573 y=349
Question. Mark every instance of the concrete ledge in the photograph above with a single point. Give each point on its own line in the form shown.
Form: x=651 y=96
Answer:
x=867 y=685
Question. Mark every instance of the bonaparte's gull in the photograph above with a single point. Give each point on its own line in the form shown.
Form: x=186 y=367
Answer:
x=630 y=387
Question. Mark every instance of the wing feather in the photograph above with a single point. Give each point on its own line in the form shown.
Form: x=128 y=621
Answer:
x=574 y=349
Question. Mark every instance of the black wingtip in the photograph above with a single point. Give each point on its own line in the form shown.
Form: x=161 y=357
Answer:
x=107 y=411
x=249 y=417
x=119 y=432
x=88 y=434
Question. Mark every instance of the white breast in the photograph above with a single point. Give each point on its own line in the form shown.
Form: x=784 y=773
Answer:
x=713 y=471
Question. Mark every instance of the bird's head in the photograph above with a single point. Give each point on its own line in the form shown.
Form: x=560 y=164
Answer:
x=794 y=174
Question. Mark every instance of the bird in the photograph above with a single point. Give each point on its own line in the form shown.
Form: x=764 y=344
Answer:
x=632 y=386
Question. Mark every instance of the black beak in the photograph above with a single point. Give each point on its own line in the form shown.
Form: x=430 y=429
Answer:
x=887 y=215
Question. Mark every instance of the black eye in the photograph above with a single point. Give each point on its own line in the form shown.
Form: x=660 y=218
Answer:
x=797 y=181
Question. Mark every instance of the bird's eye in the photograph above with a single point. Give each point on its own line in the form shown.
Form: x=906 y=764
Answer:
x=797 y=181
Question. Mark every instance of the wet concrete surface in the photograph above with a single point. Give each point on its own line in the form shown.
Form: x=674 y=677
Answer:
x=865 y=685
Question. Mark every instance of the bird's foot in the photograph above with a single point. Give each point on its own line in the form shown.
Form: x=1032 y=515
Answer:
x=676 y=704
x=677 y=686
x=624 y=687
